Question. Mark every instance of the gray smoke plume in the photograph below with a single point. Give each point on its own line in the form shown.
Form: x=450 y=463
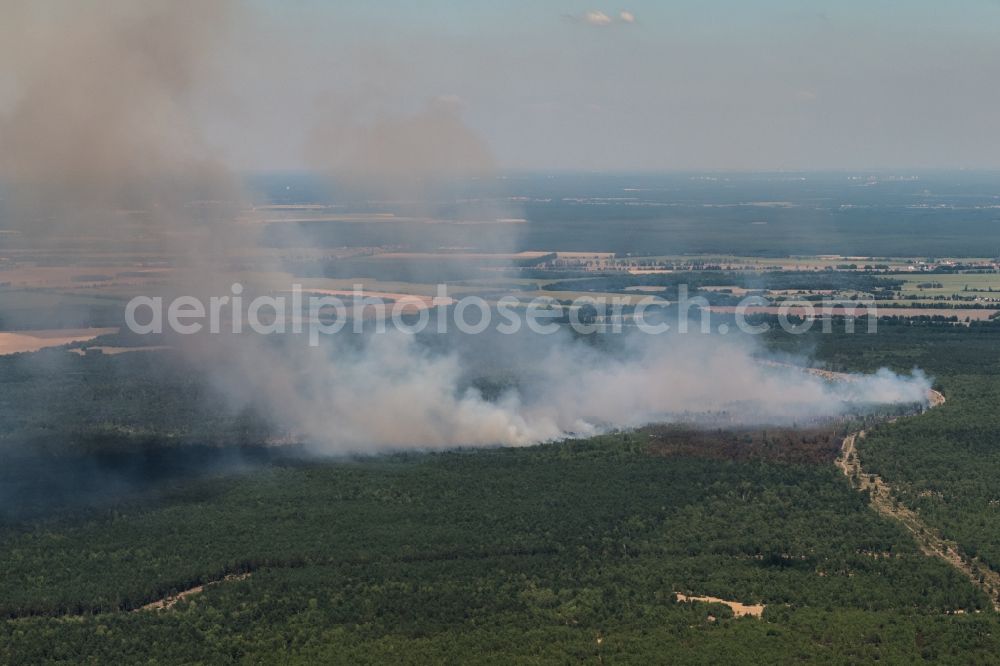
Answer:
x=396 y=394
x=98 y=132
x=101 y=128
x=368 y=149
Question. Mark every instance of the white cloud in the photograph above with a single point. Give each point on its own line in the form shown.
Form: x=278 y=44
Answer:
x=598 y=18
x=594 y=17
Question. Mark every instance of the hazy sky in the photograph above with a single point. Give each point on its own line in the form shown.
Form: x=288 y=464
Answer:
x=628 y=84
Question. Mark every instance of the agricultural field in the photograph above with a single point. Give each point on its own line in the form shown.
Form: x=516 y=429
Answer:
x=968 y=285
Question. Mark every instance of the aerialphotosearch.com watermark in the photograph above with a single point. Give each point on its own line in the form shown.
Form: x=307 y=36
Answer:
x=321 y=313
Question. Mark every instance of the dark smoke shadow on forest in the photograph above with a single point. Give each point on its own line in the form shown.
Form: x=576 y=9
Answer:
x=36 y=487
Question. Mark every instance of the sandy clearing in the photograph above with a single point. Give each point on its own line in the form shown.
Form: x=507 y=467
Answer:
x=170 y=601
x=739 y=610
x=16 y=342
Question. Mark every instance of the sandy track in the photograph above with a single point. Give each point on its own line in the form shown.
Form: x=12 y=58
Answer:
x=885 y=502
x=170 y=601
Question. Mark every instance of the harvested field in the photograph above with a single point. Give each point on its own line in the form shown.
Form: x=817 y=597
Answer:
x=650 y=271
x=609 y=297
x=585 y=255
x=16 y=342
x=405 y=303
x=73 y=277
x=528 y=254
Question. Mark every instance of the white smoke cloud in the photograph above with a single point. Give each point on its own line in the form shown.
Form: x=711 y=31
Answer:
x=395 y=394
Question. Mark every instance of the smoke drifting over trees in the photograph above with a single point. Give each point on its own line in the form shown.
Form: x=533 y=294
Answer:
x=396 y=394
x=100 y=127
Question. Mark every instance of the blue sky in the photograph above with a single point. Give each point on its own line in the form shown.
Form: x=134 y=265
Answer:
x=774 y=84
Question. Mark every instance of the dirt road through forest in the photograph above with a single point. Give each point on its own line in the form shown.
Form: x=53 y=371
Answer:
x=884 y=500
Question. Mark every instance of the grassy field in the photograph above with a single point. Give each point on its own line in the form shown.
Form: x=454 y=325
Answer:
x=954 y=284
